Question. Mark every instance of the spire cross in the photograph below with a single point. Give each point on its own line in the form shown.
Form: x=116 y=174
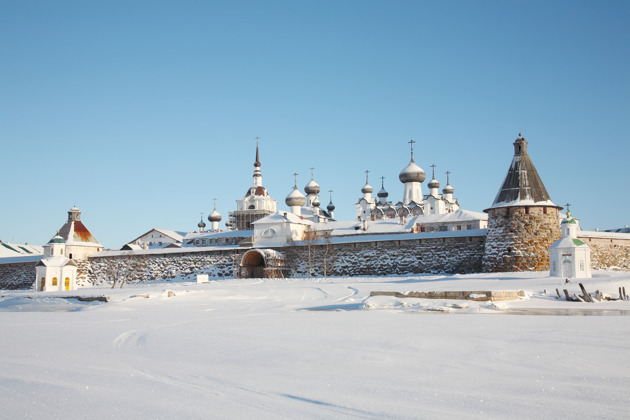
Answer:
x=330 y=191
x=383 y=182
x=447 y=176
x=568 y=206
x=295 y=175
x=367 y=172
x=215 y=203
x=433 y=166
x=411 y=142
x=312 y=169
x=201 y=215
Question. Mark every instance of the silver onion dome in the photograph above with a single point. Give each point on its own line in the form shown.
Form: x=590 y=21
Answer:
x=316 y=202
x=367 y=188
x=434 y=183
x=312 y=187
x=295 y=198
x=383 y=193
x=215 y=216
x=412 y=173
x=448 y=189
x=201 y=224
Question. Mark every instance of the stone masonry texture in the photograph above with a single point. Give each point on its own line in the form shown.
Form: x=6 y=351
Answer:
x=519 y=238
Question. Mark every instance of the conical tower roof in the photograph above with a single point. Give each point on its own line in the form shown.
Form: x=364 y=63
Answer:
x=522 y=185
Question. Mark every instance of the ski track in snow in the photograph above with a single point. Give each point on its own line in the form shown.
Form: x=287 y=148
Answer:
x=354 y=292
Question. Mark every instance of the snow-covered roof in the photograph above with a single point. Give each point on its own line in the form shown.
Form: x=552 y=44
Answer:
x=75 y=233
x=355 y=227
x=619 y=230
x=21 y=259
x=454 y=217
x=177 y=236
x=16 y=250
x=282 y=217
x=160 y=251
x=56 y=262
x=522 y=185
x=607 y=235
x=215 y=235
x=568 y=242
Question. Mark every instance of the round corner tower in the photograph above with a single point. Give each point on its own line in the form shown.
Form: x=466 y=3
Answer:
x=523 y=221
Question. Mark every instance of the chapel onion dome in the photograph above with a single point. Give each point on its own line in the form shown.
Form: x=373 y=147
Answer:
x=434 y=183
x=448 y=189
x=295 y=198
x=412 y=173
x=316 y=203
x=57 y=239
x=330 y=206
x=312 y=187
x=383 y=193
x=367 y=188
x=201 y=224
x=215 y=216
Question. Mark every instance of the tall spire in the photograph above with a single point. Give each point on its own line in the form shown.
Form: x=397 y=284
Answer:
x=257 y=163
x=257 y=173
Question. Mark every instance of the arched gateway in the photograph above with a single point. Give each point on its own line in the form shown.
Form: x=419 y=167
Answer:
x=262 y=263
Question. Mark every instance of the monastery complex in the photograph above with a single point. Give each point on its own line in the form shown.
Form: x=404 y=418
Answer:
x=423 y=232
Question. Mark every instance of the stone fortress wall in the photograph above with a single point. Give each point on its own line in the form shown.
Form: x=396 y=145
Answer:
x=447 y=254
x=17 y=276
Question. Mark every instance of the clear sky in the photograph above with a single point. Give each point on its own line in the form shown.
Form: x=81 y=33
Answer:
x=140 y=113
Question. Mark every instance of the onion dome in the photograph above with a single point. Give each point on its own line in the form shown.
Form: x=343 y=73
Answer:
x=383 y=193
x=201 y=224
x=367 y=188
x=58 y=239
x=434 y=183
x=295 y=198
x=312 y=187
x=330 y=207
x=448 y=189
x=215 y=216
x=412 y=173
x=316 y=202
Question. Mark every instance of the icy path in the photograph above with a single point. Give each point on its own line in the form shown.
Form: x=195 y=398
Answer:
x=247 y=349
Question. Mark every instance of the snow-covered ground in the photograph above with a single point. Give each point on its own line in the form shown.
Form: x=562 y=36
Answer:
x=317 y=348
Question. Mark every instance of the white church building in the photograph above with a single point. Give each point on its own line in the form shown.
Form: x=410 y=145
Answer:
x=58 y=268
x=569 y=257
x=55 y=271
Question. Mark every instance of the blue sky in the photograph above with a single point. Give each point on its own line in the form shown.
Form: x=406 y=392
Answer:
x=142 y=112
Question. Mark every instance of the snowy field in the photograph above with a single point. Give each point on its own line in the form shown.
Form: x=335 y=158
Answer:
x=320 y=348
